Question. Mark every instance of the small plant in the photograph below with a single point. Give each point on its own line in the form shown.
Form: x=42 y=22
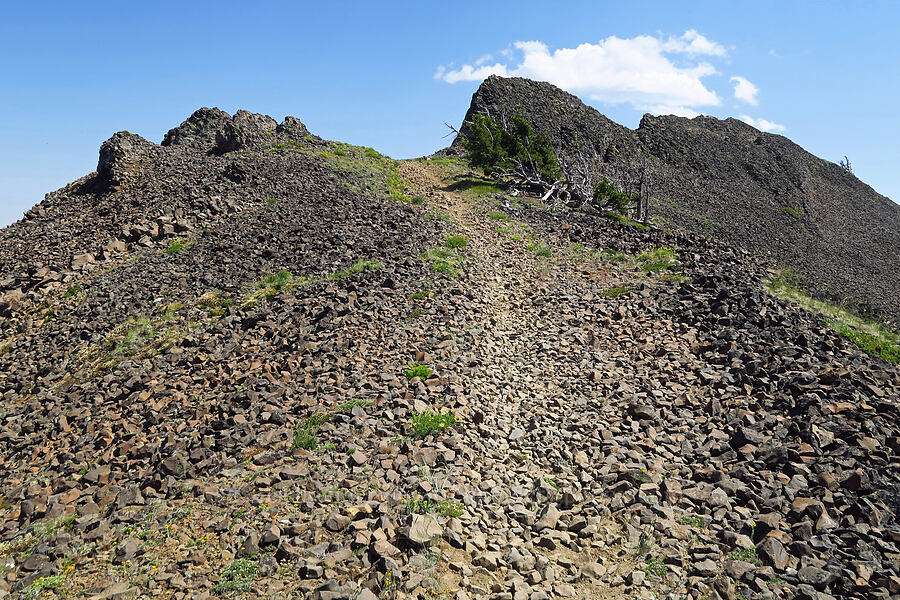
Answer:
x=238 y=575
x=456 y=241
x=348 y=406
x=691 y=521
x=790 y=210
x=498 y=216
x=443 y=260
x=417 y=370
x=73 y=291
x=657 y=260
x=415 y=314
x=37 y=587
x=421 y=294
x=744 y=554
x=655 y=566
x=430 y=421
x=271 y=201
x=775 y=581
x=305 y=434
x=444 y=508
x=615 y=291
x=551 y=483
x=329 y=447
x=540 y=250
x=178 y=244
x=357 y=267
x=417 y=200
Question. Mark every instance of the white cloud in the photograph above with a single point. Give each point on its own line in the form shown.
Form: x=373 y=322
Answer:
x=744 y=90
x=678 y=111
x=634 y=70
x=762 y=124
x=694 y=44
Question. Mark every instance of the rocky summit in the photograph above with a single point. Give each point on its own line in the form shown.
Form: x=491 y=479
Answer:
x=250 y=362
x=727 y=180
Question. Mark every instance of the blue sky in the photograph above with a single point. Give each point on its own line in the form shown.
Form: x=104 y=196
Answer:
x=379 y=74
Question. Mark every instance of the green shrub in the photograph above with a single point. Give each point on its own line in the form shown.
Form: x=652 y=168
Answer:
x=430 y=421
x=372 y=153
x=456 y=241
x=502 y=147
x=417 y=370
x=606 y=194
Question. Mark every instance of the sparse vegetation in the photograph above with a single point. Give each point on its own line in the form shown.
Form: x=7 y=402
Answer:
x=870 y=336
x=442 y=259
x=237 y=576
x=284 y=280
x=444 y=508
x=178 y=244
x=430 y=421
x=657 y=260
x=744 y=554
x=306 y=431
x=72 y=291
x=417 y=370
x=692 y=521
x=655 y=566
x=542 y=251
x=348 y=406
x=498 y=216
x=796 y=213
x=615 y=291
x=456 y=241
x=271 y=201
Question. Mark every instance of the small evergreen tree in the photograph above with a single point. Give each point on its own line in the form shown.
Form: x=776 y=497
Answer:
x=606 y=194
x=511 y=150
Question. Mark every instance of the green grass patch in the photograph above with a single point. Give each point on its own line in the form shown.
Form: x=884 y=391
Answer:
x=657 y=260
x=417 y=199
x=692 y=521
x=540 y=250
x=37 y=587
x=744 y=554
x=306 y=431
x=442 y=259
x=348 y=406
x=790 y=210
x=870 y=336
x=444 y=508
x=237 y=576
x=284 y=280
x=417 y=370
x=615 y=291
x=498 y=216
x=430 y=421
x=655 y=566
x=456 y=241
x=178 y=244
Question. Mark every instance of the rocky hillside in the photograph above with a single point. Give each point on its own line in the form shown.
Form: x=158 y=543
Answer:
x=249 y=362
x=728 y=180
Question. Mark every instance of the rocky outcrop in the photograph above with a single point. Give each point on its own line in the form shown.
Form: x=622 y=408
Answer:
x=731 y=181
